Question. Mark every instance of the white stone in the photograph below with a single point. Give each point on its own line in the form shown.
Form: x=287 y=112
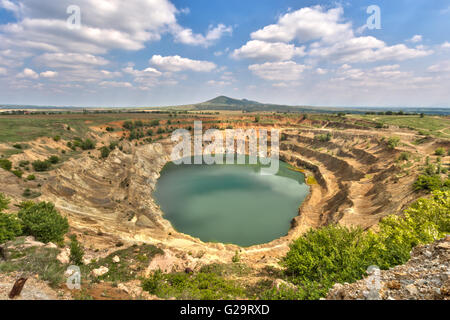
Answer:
x=100 y=271
x=116 y=259
x=64 y=256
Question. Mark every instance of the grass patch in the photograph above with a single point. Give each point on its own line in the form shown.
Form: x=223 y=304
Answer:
x=132 y=261
x=36 y=260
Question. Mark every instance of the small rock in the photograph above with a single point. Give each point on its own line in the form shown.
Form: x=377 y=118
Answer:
x=51 y=245
x=412 y=289
x=116 y=259
x=64 y=256
x=100 y=271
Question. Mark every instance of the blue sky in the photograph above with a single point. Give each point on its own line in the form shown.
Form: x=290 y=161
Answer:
x=169 y=52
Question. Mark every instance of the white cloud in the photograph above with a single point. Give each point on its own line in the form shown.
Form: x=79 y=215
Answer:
x=272 y=51
x=28 y=73
x=105 y=25
x=178 y=64
x=416 y=38
x=9 y=5
x=116 y=84
x=48 y=74
x=440 y=67
x=334 y=37
x=305 y=25
x=187 y=36
x=278 y=71
x=321 y=71
x=446 y=45
x=69 y=60
x=218 y=83
x=3 y=71
x=365 y=49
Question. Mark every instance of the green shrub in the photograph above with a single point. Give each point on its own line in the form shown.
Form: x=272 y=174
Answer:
x=76 y=251
x=105 y=151
x=333 y=254
x=17 y=173
x=23 y=163
x=404 y=156
x=393 y=142
x=5 y=164
x=40 y=166
x=53 y=159
x=18 y=146
x=440 y=152
x=43 y=221
x=202 y=286
x=10 y=226
x=56 y=138
x=88 y=144
x=428 y=182
x=31 y=177
x=324 y=137
x=425 y=221
x=329 y=255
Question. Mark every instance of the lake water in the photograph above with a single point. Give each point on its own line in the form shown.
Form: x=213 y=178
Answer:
x=230 y=203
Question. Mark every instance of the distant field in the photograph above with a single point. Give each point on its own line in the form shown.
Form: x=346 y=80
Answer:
x=22 y=128
x=434 y=125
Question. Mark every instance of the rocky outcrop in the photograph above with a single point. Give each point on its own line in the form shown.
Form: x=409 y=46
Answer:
x=425 y=277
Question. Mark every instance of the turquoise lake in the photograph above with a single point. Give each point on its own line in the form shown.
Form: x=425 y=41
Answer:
x=230 y=203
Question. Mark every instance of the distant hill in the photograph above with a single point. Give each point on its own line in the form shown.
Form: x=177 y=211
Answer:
x=231 y=104
x=226 y=101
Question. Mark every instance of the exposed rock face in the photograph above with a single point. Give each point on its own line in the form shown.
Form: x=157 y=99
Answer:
x=425 y=277
x=116 y=192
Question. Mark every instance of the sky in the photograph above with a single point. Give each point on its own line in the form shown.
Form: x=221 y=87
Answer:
x=139 y=53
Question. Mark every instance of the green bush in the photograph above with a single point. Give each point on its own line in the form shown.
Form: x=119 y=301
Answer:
x=53 y=159
x=43 y=221
x=17 y=173
x=425 y=221
x=5 y=164
x=88 y=144
x=440 y=152
x=76 y=251
x=56 y=138
x=393 y=143
x=329 y=255
x=105 y=151
x=428 y=182
x=333 y=254
x=202 y=286
x=31 y=177
x=324 y=137
x=404 y=156
x=23 y=163
x=10 y=226
x=41 y=166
